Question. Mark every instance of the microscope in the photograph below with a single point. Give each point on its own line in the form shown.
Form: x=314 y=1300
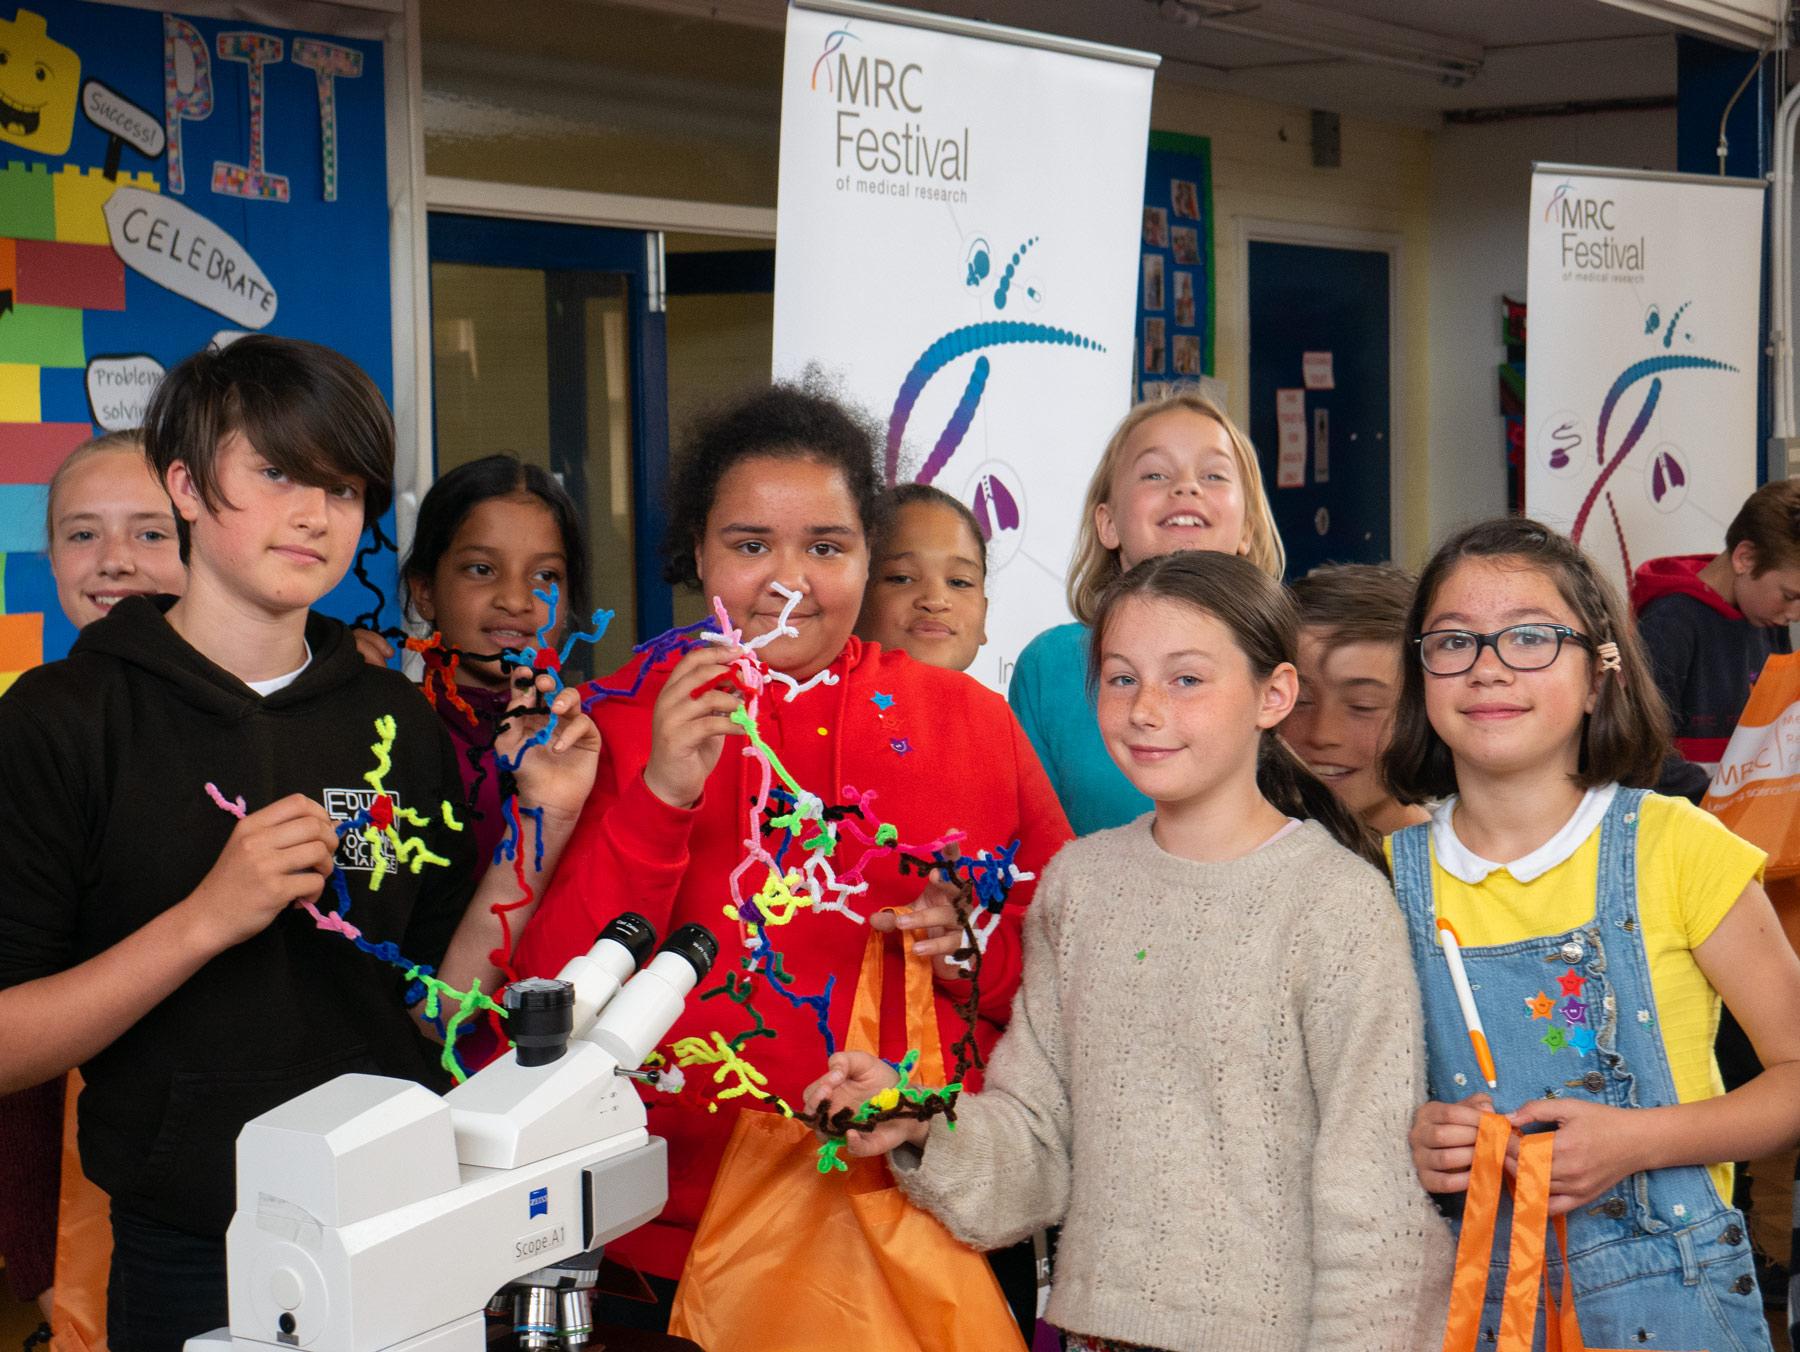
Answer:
x=376 y=1216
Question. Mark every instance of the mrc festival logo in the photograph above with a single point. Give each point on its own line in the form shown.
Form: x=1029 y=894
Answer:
x=834 y=42
x=1669 y=473
x=995 y=502
x=1557 y=197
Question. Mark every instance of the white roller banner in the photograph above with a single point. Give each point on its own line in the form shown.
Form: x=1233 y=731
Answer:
x=956 y=248
x=1642 y=357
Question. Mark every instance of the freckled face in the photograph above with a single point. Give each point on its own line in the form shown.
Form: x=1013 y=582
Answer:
x=1180 y=711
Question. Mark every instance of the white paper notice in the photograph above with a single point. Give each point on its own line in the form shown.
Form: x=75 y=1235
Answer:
x=1315 y=371
x=1290 y=422
x=176 y=247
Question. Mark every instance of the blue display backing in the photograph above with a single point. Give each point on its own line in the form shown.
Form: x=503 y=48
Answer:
x=328 y=261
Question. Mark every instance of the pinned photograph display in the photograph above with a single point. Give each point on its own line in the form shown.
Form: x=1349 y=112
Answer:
x=170 y=180
x=1175 y=319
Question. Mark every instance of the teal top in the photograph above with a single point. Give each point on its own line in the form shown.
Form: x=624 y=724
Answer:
x=1050 y=695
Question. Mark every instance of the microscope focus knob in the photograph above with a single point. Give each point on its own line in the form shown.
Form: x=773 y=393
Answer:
x=540 y=1013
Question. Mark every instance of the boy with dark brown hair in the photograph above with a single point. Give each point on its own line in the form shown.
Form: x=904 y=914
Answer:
x=152 y=938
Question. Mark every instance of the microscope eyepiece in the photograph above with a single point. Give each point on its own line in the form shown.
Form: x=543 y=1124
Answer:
x=540 y=1014
x=633 y=933
x=648 y=1004
x=697 y=945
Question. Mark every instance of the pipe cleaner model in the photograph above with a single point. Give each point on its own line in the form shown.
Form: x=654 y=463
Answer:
x=789 y=776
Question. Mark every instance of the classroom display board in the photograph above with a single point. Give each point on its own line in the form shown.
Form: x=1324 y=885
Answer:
x=1175 y=274
x=169 y=180
x=1641 y=413
x=956 y=249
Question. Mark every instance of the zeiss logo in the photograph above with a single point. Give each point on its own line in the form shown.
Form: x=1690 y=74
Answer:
x=540 y=1203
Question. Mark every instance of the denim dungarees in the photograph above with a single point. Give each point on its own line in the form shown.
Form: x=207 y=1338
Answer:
x=1658 y=1260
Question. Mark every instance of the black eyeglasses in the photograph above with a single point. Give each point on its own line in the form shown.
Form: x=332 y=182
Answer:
x=1523 y=647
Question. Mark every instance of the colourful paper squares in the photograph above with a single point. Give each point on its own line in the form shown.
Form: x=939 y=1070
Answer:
x=31 y=452
x=78 y=276
x=21 y=642
x=22 y=508
x=42 y=335
x=7 y=678
x=62 y=395
x=27 y=202
x=31 y=587
x=8 y=250
x=80 y=193
x=19 y=395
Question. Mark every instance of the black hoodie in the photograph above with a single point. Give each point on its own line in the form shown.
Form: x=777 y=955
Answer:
x=105 y=823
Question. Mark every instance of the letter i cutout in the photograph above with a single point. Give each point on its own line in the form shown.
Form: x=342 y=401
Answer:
x=255 y=50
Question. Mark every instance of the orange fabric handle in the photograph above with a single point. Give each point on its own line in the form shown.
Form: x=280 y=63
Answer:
x=1481 y=1209
x=863 y=1034
x=1525 y=1264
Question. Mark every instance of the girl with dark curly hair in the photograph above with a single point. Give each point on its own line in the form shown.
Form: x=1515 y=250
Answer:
x=774 y=492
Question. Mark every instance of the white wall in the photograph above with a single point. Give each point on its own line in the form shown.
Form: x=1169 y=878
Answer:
x=1480 y=188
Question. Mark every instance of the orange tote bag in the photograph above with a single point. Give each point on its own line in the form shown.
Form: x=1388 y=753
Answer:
x=1527 y=1281
x=1756 y=791
x=83 y=1247
x=787 y=1259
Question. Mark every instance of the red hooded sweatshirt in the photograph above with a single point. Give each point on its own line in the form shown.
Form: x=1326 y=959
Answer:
x=939 y=749
x=1706 y=657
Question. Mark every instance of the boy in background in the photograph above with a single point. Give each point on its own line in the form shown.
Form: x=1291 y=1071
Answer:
x=1352 y=644
x=1709 y=622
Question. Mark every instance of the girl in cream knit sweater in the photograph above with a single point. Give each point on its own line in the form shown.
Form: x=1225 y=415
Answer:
x=1215 y=1054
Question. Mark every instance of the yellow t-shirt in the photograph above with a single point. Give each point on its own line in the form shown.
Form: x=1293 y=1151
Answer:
x=1690 y=871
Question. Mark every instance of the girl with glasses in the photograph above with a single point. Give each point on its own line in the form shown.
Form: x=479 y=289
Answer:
x=1600 y=927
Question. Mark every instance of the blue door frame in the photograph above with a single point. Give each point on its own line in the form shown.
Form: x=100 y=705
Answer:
x=570 y=250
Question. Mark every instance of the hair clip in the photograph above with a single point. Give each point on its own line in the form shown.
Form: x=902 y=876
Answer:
x=1610 y=660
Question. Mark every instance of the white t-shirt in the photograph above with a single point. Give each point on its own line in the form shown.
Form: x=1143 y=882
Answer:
x=274 y=683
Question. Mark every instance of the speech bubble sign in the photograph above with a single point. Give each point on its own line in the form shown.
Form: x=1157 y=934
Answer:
x=118 y=116
x=178 y=248
x=119 y=389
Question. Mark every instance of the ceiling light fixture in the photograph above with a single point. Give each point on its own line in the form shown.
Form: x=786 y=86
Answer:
x=1747 y=23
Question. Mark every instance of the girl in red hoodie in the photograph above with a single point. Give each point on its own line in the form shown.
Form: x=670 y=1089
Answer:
x=773 y=494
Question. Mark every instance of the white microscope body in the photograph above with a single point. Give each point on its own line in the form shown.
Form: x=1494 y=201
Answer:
x=375 y=1216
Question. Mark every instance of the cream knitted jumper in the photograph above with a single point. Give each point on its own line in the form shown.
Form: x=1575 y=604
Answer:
x=1208 y=1080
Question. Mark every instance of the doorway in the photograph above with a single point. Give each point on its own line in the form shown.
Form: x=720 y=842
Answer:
x=549 y=341
x=1320 y=323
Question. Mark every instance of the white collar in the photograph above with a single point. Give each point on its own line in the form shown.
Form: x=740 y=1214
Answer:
x=1462 y=863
